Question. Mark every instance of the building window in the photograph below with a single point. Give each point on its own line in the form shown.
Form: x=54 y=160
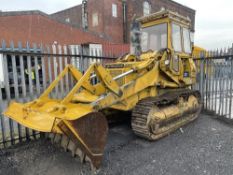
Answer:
x=68 y=20
x=114 y=10
x=95 y=19
x=146 y=8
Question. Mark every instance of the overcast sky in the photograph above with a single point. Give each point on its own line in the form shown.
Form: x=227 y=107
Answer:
x=214 y=19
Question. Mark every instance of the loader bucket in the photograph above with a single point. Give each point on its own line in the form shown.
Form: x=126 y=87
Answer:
x=78 y=120
x=43 y=115
x=34 y=119
x=88 y=131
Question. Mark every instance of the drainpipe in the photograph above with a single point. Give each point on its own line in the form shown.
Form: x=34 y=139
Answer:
x=125 y=27
x=84 y=15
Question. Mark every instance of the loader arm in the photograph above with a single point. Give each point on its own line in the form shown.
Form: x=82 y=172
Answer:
x=62 y=116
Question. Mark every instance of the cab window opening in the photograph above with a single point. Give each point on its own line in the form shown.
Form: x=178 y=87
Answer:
x=154 y=37
x=176 y=38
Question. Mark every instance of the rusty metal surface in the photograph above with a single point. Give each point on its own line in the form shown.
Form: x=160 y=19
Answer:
x=89 y=134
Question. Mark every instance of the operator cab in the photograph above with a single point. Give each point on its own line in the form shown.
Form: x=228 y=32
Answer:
x=165 y=29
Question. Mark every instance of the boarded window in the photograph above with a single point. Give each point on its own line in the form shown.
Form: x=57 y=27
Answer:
x=68 y=20
x=146 y=8
x=114 y=10
x=95 y=19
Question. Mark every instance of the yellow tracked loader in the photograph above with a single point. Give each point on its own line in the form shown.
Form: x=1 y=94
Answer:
x=154 y=84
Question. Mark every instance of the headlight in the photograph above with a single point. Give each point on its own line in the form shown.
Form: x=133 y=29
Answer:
x=167 y=62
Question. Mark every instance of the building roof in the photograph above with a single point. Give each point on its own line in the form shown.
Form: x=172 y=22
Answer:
x=189 y=8
x=18 y=13
x=73 y=7
x=172 y=1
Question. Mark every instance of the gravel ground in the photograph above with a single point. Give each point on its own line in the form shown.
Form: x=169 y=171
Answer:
x=203 y=147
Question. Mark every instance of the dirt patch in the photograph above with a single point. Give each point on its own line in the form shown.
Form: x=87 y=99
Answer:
x=203 y=147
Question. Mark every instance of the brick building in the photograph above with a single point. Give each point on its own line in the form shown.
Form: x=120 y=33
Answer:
x=94 y=21
x=111 y=19
x=38 y=27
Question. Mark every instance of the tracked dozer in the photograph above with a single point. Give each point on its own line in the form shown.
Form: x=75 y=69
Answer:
x=155 y=84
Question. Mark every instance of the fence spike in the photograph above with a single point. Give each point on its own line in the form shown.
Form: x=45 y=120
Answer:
x=12 y=45
x=28 y=46
x=214 y=53
x=232 y=49
x=47 y=49
x=208 y=53
x=221 y=52
x=217 y=52
x=35 y=48
x=20 y=46
x=225 y=51
x=41 y=48
x=3 y=45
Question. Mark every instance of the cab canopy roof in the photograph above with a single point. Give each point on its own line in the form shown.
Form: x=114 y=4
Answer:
x=174 y=16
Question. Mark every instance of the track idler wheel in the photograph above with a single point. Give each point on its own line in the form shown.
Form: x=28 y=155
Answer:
x=89 y=135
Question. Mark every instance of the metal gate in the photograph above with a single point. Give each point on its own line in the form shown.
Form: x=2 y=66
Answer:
x=214 y=81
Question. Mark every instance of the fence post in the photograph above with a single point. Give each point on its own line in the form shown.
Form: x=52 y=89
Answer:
x=202 y=66
x=15 y=83
x=65 y=49
x=29 y=72
x=55 y=66
x=3 y=135
x=231 y=76
x=49 y=65
x=36 y=70
x=61 y=67
x=7 y=89
x=43 y=67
